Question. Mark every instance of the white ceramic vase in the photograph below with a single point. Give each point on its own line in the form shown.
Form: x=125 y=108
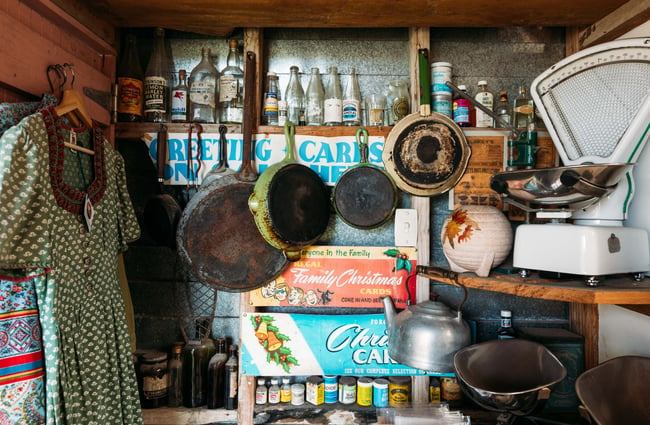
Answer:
x=476 y=238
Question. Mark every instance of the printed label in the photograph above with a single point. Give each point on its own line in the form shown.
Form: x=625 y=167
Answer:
x=202 y=93
x=129 y=99
x=154 y=94
x=227 y=88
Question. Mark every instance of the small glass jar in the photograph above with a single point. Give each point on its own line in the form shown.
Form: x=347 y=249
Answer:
x=398 y=102
x=153 y=379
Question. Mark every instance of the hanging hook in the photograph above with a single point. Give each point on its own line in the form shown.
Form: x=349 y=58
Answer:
x=63 y=75
x=71 y=66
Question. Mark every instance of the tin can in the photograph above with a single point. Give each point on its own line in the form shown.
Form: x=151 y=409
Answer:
x=399 y=391
x=331 y=388
x=347 y=390
x=364 y=392
x=380 y=392
x=440 y=74
x=441 y=103
x=314 y=390
x=451 y=392
x=297 y=394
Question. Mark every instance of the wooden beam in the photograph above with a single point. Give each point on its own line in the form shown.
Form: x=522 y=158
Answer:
x=584 y=320
x=625 y=18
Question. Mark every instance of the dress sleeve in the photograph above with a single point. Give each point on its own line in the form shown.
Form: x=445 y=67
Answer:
x=25 y=194
x=128 y=227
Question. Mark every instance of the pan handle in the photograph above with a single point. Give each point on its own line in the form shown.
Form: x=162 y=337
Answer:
x=425 y=88
x=290 y=140
x=161 y=153
x=247 y=173
x=362 y=142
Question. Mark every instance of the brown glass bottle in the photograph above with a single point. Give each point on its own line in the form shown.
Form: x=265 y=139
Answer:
x=231 y=379
x=216 y=374
x=130 y=84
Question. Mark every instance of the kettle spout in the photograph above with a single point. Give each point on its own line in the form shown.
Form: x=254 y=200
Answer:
x=389 y=311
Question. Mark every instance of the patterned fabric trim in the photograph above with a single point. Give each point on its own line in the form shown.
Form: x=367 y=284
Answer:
x=67 y=197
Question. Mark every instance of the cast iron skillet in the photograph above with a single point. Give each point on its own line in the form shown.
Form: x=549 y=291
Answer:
x=290 y=203
x=365 y=196
x=218 y=240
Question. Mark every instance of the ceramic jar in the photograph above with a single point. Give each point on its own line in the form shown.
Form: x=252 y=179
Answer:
x=476 y=238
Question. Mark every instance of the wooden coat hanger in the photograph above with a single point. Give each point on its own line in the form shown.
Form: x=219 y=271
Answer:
x=72 y=106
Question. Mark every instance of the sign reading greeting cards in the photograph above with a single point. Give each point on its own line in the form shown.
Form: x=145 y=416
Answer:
x=275 y=344
x=342 y=276
x=328 y=156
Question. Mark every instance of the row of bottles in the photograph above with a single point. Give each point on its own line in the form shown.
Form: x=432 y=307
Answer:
x=519 y=114
x=198 y=373
x=208 y=96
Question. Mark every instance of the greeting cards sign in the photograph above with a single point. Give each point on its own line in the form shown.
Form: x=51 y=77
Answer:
x=328 y=156
x=341 y=276
x=275 y=344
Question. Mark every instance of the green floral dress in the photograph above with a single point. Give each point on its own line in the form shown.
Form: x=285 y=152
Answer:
x=90 y=376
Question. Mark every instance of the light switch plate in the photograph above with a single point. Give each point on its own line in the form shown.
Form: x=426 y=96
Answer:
x=406 y=227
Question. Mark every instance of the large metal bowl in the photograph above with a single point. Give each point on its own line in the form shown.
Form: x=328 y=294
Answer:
x=560 y=185
x=611 y=392
x=511 y=376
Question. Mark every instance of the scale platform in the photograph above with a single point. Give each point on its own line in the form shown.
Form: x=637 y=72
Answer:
x=589 y=251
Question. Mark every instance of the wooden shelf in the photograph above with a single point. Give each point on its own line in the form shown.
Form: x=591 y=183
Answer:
x=184 y=415
x=611 y=290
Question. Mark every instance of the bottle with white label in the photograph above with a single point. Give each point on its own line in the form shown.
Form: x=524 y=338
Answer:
x=231 y=88
x=274 y=392
x=352 y=100
x=203 y=89
x=179 y=98
x=485 y=98
x=270 y=110
x=333 y=107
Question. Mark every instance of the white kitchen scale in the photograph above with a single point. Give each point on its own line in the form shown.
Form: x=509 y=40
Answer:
x=596 y=107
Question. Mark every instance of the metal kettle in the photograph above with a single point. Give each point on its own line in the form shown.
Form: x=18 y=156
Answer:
x=426 y=335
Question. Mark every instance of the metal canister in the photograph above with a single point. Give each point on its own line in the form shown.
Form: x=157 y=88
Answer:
x=152 y=374
x=441 y=103
x=380 y=392
x=440 y=74
x=314 y=390
x=347 y=390
x=364 y=391
x=331 y=388
x=399 y=391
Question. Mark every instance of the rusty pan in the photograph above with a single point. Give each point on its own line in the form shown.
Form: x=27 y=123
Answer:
x=426 y=153
x=218 y=240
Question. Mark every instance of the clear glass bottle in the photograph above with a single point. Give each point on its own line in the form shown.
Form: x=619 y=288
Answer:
x=231 y=379
x=156 y=81
x=523 y=110
x=333 y=103
x=352 y=100
x=261 y=392
x=314 y=99
x=295 y=96
x=506 y=330
x=231 y=88
x=461 y=109
x=179 y=99
x=282 y=112
x=503 y=109
x=130 y=83
x=270 y=108
x=485 y=98
x=398 y=103
x=175 y=370
x=274 y=391
x=285 y=390
x=203 y=89
x=216 y=372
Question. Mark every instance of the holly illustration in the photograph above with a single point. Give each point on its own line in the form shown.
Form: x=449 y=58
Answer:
x=402 y=260
x=270 y=337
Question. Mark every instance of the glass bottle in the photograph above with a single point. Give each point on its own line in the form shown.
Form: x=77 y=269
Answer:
x=231 y=379
x=261 y=392
x=485 y=98
x=130 y=84
x=332 y=105
x=352 y=100
x=285 y=390
x=506 y=330
x=175 y=370
x=274 y=392
x=461 y=109
x=397 y=101
x=270 y=109
x=231 y=88
x=503 y=109
x=295 y=96
x=156 y=81
x=180 y=98
x=203 y=89
x=216 y=371
x=314 y=99
x=282 y=112
x=196 y=356
x=523 y=110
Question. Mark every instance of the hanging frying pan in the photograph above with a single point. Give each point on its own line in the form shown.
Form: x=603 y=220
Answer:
x=161 y=212
x=290 y=203
x=218 y=240
x=426 y=153
x=364 y=196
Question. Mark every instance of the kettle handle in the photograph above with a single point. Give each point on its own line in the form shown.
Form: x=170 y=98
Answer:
x=437 y=272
